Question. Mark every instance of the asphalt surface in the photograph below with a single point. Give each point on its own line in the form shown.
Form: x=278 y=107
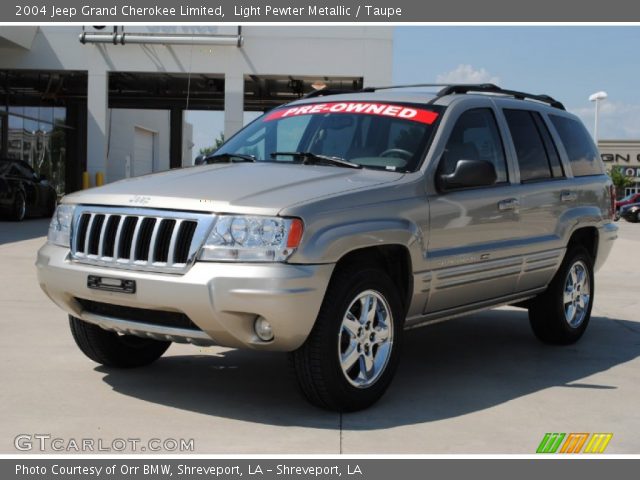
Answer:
x=479 y=384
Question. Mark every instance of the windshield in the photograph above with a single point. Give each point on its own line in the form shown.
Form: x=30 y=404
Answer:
x=372 y=135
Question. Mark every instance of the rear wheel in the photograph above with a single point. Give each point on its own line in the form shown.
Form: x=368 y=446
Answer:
x=19 y=207
x=561 y=314
x=115 y=350
x=351 y=355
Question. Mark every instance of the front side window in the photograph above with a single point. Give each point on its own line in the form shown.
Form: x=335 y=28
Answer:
x=371 y=134
x=475 y=136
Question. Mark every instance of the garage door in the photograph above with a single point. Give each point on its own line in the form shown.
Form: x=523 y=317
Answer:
x=143 y=152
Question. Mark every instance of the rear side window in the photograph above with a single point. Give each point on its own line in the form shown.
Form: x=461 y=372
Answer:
x=580 y=149
x=537 y=155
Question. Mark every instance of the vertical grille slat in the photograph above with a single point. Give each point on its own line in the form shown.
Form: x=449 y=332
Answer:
x=172 y=243
x=109 y=240
x=81 y=232
x=162 y=243
x=101 y=240
x=87 y=237
x=144 y=239
x=126 y=237
x=183 y=243
x=138 y=238
x=134 y=239
x=153 y=241
x=94 y=234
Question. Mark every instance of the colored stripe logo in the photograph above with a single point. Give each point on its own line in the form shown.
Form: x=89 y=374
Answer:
x=574 y=442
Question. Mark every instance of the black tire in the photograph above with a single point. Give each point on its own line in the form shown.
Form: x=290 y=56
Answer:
x=317 y=364
x=638 y=216
x=19 y=211
x=547 y=311
x=112 y=349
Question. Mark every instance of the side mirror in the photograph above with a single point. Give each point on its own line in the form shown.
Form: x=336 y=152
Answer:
x=469 y=173
x=200 y=160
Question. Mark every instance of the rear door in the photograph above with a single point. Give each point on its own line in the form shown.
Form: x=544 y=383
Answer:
x=471 y=229
x=546 y=194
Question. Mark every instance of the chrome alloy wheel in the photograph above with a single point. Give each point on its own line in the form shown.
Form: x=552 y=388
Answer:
x=365 y=339
x=577 y=294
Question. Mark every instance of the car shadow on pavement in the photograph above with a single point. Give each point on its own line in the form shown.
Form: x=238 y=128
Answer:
x=447 y=370
x=11 y=232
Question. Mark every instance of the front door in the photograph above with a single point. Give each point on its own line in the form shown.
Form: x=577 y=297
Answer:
x=471 y=231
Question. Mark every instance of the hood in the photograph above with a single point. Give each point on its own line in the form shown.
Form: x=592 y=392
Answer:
x=260 y=188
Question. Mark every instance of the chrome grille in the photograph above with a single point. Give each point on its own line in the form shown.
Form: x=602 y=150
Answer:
x=138 y=239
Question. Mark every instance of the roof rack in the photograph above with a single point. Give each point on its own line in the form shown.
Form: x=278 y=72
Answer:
x=491 y=88
x=449 y=89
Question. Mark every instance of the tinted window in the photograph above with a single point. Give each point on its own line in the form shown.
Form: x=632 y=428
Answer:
x=475 y=136
x=581 y=150
x=549 y=146
x=533 y=158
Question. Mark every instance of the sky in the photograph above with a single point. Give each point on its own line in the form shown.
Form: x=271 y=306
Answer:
x=567 y=62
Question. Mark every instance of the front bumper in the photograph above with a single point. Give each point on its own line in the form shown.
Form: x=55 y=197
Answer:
x=222 y=299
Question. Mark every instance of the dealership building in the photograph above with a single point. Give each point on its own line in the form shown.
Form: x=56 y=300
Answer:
x=113 y=100
x=625 y=155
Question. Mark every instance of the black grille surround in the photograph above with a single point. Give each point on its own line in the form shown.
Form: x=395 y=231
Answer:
x=141 y=315
x=138 y=238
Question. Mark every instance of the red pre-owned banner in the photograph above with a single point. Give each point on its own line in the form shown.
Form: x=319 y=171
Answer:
x=365 y=108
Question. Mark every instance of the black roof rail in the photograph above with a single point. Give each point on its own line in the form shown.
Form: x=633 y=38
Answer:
x=491 y=88
x=450 y=89
x=335 y=91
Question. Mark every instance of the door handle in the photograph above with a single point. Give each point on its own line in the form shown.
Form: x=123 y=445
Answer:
x=508 y=204
x=568 y=196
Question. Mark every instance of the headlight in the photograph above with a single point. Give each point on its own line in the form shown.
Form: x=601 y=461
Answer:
x=60 y=226
x=240 y=238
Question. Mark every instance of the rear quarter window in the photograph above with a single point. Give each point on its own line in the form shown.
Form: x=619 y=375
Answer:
x=582 y=152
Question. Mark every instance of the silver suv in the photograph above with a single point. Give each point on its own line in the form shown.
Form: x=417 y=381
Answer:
x=330 y=225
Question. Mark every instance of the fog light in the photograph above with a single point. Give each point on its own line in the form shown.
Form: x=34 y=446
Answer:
x=263 y=329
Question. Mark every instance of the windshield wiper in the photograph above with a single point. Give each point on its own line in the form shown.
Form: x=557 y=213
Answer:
x=229 y=157
x=309 y=158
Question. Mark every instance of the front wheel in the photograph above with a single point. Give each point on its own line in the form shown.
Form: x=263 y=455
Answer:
x=561 y=314
x=350 y=356
x=115 y=350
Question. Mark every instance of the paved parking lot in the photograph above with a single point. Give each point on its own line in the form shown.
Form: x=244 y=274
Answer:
x=479 y=384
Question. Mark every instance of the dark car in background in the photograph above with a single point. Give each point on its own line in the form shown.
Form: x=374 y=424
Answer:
x=626 y=201
x=24 y=193
x=631 y=212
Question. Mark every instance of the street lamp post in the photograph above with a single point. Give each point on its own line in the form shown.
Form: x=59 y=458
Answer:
x=597 y=97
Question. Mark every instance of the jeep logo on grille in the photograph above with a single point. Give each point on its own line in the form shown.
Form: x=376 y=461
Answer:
x=140 y=200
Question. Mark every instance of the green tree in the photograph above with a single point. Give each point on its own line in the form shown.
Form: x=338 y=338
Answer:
x=620 y=180
x=217 y=144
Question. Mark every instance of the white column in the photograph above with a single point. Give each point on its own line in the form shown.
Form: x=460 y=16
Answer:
x=97 y=111
x=233 y=103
